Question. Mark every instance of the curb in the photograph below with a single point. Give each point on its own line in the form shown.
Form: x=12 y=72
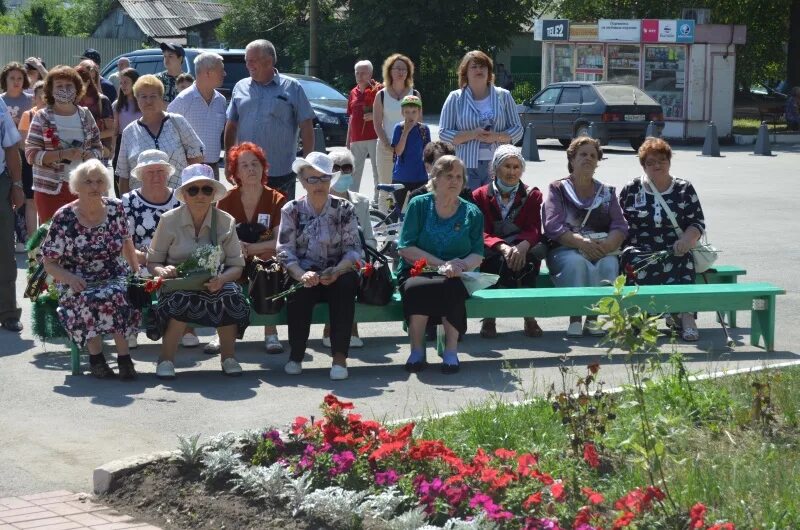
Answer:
x=782 y=139
x=105 y=476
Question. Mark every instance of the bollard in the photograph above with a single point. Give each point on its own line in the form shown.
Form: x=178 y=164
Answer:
x=591 y=133
x=762 y=141
x=530 y=149
x=652 y=131
x=711 y=143
x=319 y=139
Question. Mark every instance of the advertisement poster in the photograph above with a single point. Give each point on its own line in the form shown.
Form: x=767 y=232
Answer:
x=667 y=30
x=650 y=30
x=614 y=30
x=551 y=30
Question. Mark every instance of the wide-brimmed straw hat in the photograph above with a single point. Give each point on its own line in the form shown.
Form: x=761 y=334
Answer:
x=152 y=157
x=200 y=175
x=319 y=161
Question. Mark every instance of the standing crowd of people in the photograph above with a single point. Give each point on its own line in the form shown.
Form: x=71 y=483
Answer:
x=466 y=207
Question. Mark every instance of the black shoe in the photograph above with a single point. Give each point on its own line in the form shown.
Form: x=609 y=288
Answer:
x=415 y=368
x=12 y=324
x=101 y=370
x=450 y=368
x=126 y=370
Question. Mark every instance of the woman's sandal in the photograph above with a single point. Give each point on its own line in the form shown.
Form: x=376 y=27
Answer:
x=12 y=324
x=690 y=334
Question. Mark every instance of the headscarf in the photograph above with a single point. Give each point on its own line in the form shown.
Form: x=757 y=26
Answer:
x=503 y=153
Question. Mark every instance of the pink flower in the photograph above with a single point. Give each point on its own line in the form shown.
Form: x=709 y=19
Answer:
x=493 y=510
x=342 y=463
x=386 y=478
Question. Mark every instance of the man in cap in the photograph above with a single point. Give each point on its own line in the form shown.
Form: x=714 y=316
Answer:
x=105 y=85
x=173 y=62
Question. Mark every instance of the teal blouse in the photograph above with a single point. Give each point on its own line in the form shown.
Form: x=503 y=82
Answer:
x=455 y=237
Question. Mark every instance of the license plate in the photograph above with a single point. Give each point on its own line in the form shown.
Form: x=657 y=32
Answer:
x=634 y=117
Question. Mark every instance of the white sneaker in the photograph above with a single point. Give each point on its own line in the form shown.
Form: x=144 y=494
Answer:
x=190 y=341
x=212 y=348
x=575 y=329
x=272 y=344
x=326 y=341
x=293 y=368
x=338 y=372
x=356 y=342
x=165 y=370
x=133 y=342
x=231 y=367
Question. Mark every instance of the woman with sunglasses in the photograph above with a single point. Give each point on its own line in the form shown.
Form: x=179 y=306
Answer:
x=318 y=243
x=343 y=164
x=220 y=304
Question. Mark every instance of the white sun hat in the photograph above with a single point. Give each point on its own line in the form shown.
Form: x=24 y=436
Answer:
x=200 y=175
x=152 y=157
x=319 y=161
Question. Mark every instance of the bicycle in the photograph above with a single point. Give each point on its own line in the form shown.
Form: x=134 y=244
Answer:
x=386 y=227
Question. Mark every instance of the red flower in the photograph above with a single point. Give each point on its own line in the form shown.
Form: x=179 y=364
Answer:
x=151 y=286
x=722 y=526
x=592 y=496
x=526 y=464
x=697 y=514
x=623 y=521
x=590 y=455
x=50 y=134
x=331 y=401
x=298 y=425
x=368 y=270
x=358 y=265
x=630 y=272
x=536 y=498
x=421 y=263
x=505 y=454
x=558 y=492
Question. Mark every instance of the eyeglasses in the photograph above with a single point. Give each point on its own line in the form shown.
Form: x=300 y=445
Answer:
x=194 y=190
x=347 y=168
x=317 y=180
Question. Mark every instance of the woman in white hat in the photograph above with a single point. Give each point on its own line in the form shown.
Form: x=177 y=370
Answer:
x=221 y=304
x=318 y=243
x=145 y=206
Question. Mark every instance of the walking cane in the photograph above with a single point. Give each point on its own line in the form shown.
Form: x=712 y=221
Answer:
x=729 y=342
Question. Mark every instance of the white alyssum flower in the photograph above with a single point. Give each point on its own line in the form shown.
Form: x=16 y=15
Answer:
x=382 y=505
x=334 y=505
x=261 y=482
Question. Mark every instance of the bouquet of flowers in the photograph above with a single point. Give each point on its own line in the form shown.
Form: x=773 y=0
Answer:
x=204 y=263
x=369 y=99
x=473 y=280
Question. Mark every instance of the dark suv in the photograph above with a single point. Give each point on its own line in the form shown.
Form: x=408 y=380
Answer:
x=330 y=105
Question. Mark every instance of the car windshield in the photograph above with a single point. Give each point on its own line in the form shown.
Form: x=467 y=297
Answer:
x=624 y=95
x=318 y=90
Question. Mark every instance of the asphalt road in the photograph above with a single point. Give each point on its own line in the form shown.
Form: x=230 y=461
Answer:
x=55 y=428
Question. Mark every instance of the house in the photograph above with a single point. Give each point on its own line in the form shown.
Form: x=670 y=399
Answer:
x=186 y=22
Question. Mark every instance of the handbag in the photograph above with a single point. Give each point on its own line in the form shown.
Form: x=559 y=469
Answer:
x=375 y=287
x=705 y=254
x=194 y=280
x=595 y=236
x=266 y=279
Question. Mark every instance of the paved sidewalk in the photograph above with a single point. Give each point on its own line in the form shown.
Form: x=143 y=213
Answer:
x=62 y=510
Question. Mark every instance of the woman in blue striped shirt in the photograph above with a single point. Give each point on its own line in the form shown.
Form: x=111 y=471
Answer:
x=478 y=117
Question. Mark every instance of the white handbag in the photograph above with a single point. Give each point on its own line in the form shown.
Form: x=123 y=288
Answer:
x=704 y=253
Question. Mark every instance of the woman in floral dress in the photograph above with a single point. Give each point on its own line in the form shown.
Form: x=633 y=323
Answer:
x=85 y=251
x=650 y=228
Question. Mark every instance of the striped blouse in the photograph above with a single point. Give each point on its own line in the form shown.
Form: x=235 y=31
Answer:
x=43 y=137
x=460 y=113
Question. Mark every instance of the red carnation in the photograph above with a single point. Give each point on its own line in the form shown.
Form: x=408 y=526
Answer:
x=590 y=455
x=697 y=515
x=368 y=270
x=558 y=492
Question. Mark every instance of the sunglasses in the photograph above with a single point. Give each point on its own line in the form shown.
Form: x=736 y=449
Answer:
x=194 y=190
x=317 y=180
x=347 y=168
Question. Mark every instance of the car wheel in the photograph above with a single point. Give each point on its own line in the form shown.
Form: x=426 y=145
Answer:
x=565 y=142
x=581 y=130
x=636 y=143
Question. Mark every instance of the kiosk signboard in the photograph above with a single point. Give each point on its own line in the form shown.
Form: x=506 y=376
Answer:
x=668 y=31
x=613 y=30
x=551 y=30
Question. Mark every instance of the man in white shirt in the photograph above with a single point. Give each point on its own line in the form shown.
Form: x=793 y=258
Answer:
x=204 y=107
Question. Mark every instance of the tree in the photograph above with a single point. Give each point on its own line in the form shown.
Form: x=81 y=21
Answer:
x=3 y=8
x=43 y=17
x=85 y=15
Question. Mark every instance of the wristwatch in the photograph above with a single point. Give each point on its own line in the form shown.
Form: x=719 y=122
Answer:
x=17 y=183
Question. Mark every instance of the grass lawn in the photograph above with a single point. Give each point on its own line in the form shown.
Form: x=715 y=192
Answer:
x=731 y=443
x=751 y=125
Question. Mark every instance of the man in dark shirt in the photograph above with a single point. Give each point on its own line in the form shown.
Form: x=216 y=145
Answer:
x=106 y=86
x=173 y=62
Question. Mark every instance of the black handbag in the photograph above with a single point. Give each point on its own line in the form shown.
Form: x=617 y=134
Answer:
x=266 y=279
x=375 y=286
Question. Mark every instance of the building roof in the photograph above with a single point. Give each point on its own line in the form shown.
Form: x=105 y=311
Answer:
x=167 y=19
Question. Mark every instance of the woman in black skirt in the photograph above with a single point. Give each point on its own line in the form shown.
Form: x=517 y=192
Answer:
x=447 y=233
x=219 y=303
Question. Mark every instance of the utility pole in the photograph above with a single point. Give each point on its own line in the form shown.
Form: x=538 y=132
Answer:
x=313 y=44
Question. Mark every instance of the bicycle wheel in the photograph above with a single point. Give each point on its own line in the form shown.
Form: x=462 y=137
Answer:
x=380 y=229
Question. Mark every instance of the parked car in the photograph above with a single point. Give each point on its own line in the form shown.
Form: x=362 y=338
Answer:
x=565 y=111
x=330 y=106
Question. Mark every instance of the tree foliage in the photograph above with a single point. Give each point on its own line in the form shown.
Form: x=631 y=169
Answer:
x=85 y=15
x=762 y=57
x=43 y=17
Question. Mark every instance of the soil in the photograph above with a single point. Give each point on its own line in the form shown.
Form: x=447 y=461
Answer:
x=163 y=495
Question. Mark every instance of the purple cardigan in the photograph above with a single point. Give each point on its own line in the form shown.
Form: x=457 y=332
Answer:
x=561 y=213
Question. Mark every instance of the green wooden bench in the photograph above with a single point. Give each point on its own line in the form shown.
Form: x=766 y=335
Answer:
x=547 y=301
